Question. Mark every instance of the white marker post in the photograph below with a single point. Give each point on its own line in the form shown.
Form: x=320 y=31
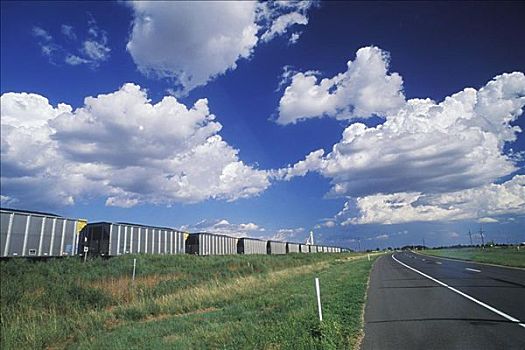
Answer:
x=86 y=248
x=134 y=267
x=368 y=257
x=318 y=291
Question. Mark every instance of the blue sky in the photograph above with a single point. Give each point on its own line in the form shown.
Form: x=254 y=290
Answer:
x=387 y=123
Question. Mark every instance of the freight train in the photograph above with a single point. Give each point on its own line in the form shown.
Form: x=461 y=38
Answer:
x=40 y=235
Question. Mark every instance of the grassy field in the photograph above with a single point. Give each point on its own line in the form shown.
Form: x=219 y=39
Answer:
x=183 y=302
x=508 y=256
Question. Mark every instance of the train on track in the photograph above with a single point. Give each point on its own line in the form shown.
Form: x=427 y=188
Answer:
x=41 y=235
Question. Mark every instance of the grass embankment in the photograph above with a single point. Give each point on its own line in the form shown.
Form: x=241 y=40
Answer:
x=508 y=256
x=183 y=302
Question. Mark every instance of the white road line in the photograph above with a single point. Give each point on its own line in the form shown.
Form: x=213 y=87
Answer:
x=501 y=313
x=438 y=262
x=423 y=259
x=473 y=270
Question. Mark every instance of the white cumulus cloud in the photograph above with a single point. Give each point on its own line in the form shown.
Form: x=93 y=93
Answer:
x=328 y=223
x=365 y=89
x=297 y=234
x=476 y=203
x=224 y=227
x=194 y=42
x=191 y=42
x=119 y=146
x=428 y=157
x=426 y=146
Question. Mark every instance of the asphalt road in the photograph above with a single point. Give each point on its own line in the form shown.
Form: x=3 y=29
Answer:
x=406 y=310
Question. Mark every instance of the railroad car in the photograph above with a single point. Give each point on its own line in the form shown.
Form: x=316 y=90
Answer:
x=36 y=234
x=204 y=243
x=112 y=239
x=292 y=247
x=276 y=247
x=246 y=245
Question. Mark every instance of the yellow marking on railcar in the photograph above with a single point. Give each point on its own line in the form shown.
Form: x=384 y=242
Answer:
x=81 y=223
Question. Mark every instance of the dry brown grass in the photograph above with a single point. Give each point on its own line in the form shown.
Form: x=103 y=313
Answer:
x=172 y=338
x=165 y=316
x=235 y=286
x=120 y=288
x=361 y=256
x=58 y=303
x=112 y=323
x=191 y=300
x=34 y=294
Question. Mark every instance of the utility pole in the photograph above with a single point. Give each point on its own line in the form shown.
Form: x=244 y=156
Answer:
x=470 y=236
x=481 y=234
x=424 y=242
x=359 y=243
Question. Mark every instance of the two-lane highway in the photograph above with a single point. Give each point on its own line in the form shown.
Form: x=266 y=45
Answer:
x=420 y=302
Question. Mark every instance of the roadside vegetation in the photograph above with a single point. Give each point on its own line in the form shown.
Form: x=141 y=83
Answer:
x=502 y=255
x=183 y=302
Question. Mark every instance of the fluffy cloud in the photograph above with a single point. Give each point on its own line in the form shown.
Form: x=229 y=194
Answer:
x=74 y=60
x=282 y=23
x=280 y=16
x=290 y=235
x=47 y=45
x=191 y=42
x=313 y=161
x=29 y=110
x=249 y=229
x=477 y=203
x=365 y=89
x=42 y=34
x=328 y=223
x=429 y=161
x=96 y=51
x=426 y=146
x=224 y=227
x=194 y=42
x=6 y=201
x=120 y=146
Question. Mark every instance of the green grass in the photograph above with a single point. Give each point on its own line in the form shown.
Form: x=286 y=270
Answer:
x=183 y=302
x=508 y=256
